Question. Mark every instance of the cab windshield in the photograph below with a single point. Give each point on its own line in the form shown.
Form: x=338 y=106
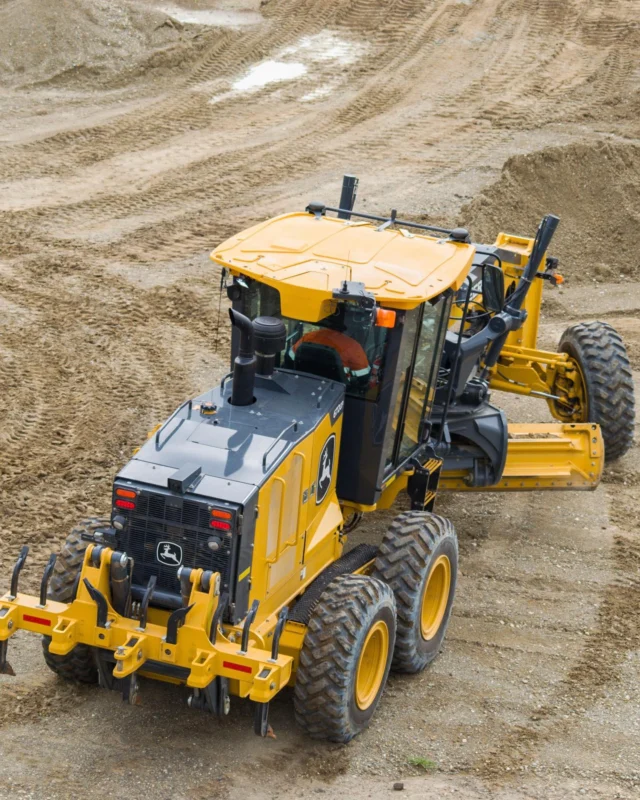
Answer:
x=345 y=346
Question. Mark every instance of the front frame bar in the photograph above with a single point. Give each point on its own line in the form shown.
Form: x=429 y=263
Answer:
x=257 y=675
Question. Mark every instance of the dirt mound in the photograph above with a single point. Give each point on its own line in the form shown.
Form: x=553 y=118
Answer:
x=41 y=41
x=595 y=190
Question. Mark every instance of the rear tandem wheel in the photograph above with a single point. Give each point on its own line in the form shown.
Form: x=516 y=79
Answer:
x=418 y=559
x=345 y=658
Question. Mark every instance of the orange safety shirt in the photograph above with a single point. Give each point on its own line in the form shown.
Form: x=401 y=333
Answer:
x=354 y=359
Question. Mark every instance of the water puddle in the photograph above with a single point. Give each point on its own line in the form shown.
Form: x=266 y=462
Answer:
x=269 y=72
x=318 y=93
x=319 y=60
x=216 y=18
x=326 y=46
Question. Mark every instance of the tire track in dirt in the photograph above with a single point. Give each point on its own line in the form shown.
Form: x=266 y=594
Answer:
x=196 y=180
x=71 y=427
x=109 y=328
x=292 y=155
x=617 y=634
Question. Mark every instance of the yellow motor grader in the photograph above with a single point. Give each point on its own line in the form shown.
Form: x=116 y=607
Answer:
x=365 y=353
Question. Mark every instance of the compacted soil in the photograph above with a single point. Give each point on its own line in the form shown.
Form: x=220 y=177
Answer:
x=134 y=136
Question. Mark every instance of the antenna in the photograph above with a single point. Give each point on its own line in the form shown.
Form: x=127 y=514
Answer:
x=223 y=275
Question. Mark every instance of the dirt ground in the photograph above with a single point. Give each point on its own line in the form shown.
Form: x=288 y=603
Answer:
x=134 y=136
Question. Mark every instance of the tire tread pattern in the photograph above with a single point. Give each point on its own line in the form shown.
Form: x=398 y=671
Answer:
x=70 y=558
x=402 y=560
x=323 y=683
x=79 y=665
x=604 y=361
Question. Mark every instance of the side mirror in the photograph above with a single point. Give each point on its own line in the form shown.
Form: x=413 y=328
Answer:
x=492 y=288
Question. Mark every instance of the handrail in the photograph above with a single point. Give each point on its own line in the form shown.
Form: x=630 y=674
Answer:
x=390 y=220
x=173 y=416
x=293 y=425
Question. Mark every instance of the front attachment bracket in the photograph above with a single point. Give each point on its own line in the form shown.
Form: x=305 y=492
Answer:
x=101 y=603
x=17 y=569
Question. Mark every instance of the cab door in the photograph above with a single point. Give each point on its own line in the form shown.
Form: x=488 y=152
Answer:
x=419 y=362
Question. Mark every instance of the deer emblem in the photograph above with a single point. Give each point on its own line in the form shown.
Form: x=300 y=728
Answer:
x=169 y=553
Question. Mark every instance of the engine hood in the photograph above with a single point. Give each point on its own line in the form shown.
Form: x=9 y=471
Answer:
x=236 y=448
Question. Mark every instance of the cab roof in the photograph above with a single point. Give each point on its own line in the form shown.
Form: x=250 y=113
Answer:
x=307 y=257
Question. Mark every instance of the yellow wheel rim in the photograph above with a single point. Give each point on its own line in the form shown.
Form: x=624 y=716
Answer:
x=435 y=597
x=372 y=665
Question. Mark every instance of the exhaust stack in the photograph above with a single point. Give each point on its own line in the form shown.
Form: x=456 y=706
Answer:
x=244 y=366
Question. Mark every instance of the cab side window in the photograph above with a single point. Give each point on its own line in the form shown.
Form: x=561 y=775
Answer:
x=418 y=363
x=423 y=383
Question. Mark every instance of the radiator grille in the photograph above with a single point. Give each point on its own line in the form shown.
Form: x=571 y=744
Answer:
x=185 y=523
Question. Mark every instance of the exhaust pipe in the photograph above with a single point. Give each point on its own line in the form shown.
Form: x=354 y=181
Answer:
x=244 y=366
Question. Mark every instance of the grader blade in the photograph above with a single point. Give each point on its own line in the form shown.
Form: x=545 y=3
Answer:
x=543 y=456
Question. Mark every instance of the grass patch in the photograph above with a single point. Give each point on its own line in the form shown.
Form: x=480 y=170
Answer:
x=424 y=763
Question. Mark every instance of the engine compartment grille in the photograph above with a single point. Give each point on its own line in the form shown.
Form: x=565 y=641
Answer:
x=163 y=527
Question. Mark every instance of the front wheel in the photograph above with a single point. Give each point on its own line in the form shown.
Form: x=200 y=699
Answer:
x=418 y=559
x=598 y=350
x=80 y=664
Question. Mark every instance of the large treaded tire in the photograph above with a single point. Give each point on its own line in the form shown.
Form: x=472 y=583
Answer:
x=414 y=543
x=70 y=558
x=603 y=361
x=325 y=691
x=78 y=665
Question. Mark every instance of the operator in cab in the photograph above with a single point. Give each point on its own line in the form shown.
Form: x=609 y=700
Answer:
x=351 y=353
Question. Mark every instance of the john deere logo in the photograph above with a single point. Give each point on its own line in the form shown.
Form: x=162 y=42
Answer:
x=169 y=554
x=325 y=468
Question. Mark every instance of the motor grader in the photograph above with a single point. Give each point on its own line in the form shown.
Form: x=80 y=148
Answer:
x=365 y=353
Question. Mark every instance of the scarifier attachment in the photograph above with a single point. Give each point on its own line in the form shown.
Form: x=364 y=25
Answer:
x=191 y=646
x=5 y=666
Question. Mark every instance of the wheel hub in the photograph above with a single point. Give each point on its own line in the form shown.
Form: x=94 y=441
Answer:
x=435 y=597
x=372 y=664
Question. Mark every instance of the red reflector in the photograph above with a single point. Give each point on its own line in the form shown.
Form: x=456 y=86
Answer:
x=238 y=667
x=221 y=526
x=221 y=514
x=125 y=504
x=36 y=620
x=126 y=493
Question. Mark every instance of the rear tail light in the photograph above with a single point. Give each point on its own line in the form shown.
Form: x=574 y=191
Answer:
x=219 y=525
x=126 y=504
